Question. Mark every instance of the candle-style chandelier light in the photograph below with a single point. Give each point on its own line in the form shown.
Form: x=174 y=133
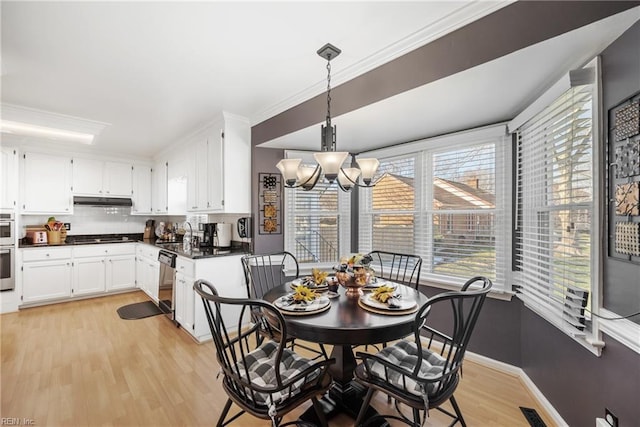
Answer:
x=296 y=175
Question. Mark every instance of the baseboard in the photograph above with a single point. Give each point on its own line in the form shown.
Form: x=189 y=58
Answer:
x=518 y=372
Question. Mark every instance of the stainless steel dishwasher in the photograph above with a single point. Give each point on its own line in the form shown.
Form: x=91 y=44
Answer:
x=166 y=285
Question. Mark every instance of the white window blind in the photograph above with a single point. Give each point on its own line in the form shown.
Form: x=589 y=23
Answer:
x=554 y=196
x=462 y=213
x=448 y=205
x=389 y=212
x=317 y=222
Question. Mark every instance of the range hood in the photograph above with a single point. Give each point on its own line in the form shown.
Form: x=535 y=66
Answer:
x=102 y=201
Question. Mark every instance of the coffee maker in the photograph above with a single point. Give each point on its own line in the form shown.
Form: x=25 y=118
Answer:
x=208 y=235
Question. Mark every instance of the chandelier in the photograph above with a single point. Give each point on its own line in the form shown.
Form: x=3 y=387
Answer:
x=296 y=175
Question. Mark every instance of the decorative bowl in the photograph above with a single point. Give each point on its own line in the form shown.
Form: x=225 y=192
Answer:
x=354 y=281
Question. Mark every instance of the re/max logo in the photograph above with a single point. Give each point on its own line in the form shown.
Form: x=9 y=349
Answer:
x=15 y=421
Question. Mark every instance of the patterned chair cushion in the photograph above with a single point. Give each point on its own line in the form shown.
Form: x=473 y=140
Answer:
x=261 y=369
x=404 y=354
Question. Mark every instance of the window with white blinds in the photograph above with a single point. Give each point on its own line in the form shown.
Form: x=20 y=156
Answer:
x=388 y=217
x=447 y=204
x=317 y=222
x=555 y=204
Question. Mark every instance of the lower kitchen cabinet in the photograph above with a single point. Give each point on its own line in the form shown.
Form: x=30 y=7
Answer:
x=46 y=274
x=88 y=276
x=100 y=268
x=121 y=272
x=44 y=280
x=225 y=273
x=54 y=273
x=148 y=270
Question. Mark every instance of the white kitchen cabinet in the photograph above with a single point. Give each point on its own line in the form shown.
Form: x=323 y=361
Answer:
x=120 y=272
x=148 y=270
x=100 y=268
x=225 y=273
x=141 y=196
x=219 y=177
x=8 y=177
x=198 y=176
x=159 y=201
x=46 y=274
x=88 y=276
x=46 y=184
x=102 y=178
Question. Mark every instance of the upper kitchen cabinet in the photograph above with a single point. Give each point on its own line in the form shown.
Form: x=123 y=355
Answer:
x=159 y=198
x=221 y=183
x=141 y=196
x=102 y=178
x=8 y=177
x=46 y=183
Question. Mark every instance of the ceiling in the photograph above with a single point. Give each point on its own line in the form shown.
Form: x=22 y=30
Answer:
x=155 y=71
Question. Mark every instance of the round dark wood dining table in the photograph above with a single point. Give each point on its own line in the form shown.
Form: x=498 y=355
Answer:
x=343 y=325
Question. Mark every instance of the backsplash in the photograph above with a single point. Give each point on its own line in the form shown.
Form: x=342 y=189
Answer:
x=98 y=220
x=118 y=220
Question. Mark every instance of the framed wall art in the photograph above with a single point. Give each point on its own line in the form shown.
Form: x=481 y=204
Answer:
x=269 y=203
x=623 y=183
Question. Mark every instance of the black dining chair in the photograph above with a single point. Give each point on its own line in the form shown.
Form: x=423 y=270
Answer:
x=423 y=372
x=265 y=379
x=397 y=267
x=263 y=272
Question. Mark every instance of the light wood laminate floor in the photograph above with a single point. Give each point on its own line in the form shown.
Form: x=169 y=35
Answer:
x=79 y=364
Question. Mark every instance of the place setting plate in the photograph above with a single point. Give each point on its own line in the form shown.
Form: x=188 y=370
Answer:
x=375 y=284
x=309 y=283
x=398 y=306
x=286 y=306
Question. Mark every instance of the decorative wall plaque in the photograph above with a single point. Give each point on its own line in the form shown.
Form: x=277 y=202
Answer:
x=627 y=159
x=628 y=199
x=269 y=203
x=628 y=238
x=627 y=121
x=623 y=180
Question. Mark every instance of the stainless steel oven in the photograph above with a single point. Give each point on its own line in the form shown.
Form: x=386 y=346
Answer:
x=7 y=222
x=7 y=251
x=166 y=291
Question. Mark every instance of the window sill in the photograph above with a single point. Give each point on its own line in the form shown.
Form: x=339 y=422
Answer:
x=623 y=330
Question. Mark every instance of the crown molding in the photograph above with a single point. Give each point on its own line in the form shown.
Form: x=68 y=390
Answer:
x=462 y=16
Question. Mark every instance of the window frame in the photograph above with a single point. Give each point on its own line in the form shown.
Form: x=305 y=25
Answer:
x=423 y=150
x=343 y=219
x=590 y=340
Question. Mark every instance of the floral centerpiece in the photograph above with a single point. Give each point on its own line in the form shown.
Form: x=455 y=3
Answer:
x=354 y=272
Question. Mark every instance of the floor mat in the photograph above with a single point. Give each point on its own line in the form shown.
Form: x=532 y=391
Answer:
x=139 y=310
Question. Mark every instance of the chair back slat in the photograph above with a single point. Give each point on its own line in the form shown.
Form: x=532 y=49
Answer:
x=398 y=267
x=264 y=272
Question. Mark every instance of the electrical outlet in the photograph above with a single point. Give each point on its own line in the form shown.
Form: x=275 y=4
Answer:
x=67 y=226
x=611 y=419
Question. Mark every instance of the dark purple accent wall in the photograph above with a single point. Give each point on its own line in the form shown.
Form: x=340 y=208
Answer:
x=578 y=384
x=263 y=160
x=507 y=30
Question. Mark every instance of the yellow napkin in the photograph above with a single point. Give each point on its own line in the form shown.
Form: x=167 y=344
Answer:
x=303 y=294
x=383 y=293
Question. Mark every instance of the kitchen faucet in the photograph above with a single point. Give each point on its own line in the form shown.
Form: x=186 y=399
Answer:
x=186 y=243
